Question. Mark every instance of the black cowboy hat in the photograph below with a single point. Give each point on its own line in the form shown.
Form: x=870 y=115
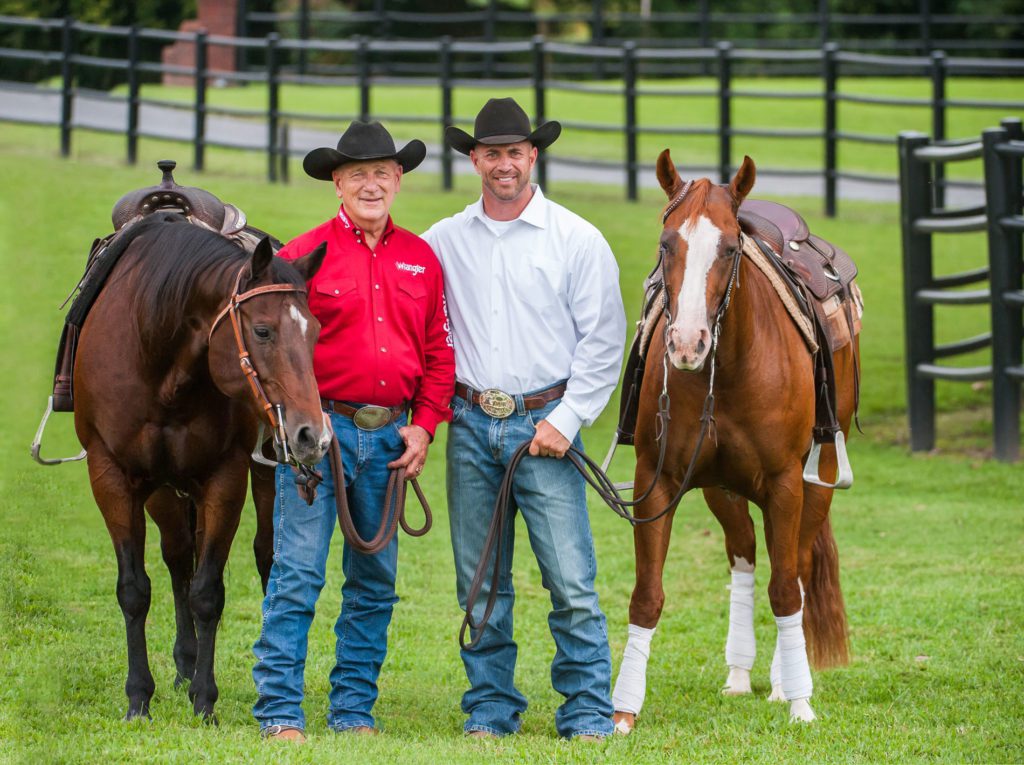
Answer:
x=502 y=120
x=363 y=141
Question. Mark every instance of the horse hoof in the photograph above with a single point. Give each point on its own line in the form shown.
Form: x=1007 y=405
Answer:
x=180 y=682
x=800 y=711
x=138 y=714
x=738 y=682
x=624 y=722
x=776 y=694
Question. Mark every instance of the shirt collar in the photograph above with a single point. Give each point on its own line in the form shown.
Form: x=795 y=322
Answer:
x=535 y=212
x=349 y=225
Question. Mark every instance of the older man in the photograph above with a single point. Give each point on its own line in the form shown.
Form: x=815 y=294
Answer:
x=383 y=349
x=539 y=329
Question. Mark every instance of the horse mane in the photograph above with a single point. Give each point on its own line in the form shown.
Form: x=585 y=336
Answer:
x=698 y=197
x=172 y=259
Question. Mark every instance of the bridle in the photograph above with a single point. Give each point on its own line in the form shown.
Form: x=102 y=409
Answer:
x=273 y=412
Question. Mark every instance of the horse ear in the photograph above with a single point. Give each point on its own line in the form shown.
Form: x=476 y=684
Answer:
x=667 y=175
x=310 y=263
x=743 y=181
x=261 y=258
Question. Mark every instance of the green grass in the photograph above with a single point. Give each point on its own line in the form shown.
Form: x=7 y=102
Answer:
x=654 y=111
x=931 y=545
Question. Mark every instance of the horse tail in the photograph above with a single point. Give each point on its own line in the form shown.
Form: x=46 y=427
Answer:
x=825 y=626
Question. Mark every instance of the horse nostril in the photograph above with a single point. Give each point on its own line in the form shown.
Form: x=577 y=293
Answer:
x=304 y=437
x=700 y=346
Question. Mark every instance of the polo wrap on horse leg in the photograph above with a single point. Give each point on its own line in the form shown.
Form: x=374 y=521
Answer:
x=740 y=645
x=631 y=684
x=794 y=670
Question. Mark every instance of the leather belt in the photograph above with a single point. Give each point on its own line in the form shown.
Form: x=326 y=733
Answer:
x=369 y=417
x=500 y=405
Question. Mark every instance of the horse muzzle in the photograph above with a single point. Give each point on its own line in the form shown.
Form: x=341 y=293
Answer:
x=308 y=443
x=688 y=351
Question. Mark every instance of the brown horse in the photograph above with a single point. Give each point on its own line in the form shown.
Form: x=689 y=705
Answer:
x=761 y=433
x=187 y=329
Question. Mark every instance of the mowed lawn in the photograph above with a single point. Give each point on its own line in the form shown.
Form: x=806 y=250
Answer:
x=931 y=545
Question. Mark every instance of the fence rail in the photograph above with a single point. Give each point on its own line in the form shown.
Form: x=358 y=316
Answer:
x=439 y=66
x=923 y=216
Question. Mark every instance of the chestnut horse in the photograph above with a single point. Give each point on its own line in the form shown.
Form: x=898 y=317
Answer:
x=189 y=331
x=764 y=412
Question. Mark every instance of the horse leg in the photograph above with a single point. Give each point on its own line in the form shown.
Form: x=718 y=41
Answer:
x=122 y=509
x=175 y=517
x=784 y=508
x=263 y=488
x=651 y=546
x=220 y=509
x=731 y=510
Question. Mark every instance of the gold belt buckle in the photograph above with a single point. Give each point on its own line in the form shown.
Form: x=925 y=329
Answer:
x=497 y=403
x=372 y=417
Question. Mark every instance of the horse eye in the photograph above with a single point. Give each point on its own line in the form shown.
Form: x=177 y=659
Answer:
x=263 y=333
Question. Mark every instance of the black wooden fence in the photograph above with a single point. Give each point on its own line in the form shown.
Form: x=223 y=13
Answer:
x=362 y=57
x=906 y=30
x=922 y=217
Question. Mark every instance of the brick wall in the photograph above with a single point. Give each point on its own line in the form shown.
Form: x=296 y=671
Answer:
x=217 y=17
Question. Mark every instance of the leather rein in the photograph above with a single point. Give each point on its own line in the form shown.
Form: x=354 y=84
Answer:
x=306 y=478
x=504 y=506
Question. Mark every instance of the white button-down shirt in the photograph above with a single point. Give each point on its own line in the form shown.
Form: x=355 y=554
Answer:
x=532 y=302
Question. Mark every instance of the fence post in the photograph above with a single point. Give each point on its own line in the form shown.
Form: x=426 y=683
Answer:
x=446 y=111
x=242 y=25
x=1002 y=199
x=539 y=106
x=918 y=325
x=938 y=72
x=284 y=151
x=926 y=26
x=490 y=27
x=597 y=34
x=67 y=74
x=200 y=129
x=363 y=73
x=272 y=106
x=704 y=9
x=133 y=94
x=829 y=69
x=303 y=33
x=824 y=21
x=724 y=112
x=629 y=93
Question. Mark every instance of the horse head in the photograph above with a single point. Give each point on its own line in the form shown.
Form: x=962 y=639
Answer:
x=276 y=334
x=698 y=248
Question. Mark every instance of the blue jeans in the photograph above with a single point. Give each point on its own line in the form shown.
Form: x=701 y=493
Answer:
x=551 y=496
x=302 y=537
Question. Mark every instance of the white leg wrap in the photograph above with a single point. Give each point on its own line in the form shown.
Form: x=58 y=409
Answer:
x=740 y=646
x=776 y=676
x=631 y=685
x=792 y=653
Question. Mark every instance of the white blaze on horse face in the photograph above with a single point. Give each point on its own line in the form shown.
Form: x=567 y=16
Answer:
x=689 y=336
x=299 y=319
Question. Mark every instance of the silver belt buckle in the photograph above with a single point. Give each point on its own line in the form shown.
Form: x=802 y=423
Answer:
x=497 y=403
x=372 y=417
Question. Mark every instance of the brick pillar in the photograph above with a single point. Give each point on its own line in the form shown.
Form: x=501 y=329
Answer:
x=218 y=17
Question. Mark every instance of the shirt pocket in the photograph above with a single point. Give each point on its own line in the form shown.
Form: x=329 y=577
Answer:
x=337 y=302
x=411 y=299
x=543 y=285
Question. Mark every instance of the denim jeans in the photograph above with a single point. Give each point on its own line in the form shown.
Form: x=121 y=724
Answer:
x=302 y=537
x=551 y=497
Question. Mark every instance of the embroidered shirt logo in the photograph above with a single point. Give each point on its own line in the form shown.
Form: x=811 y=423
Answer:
x=410 y=268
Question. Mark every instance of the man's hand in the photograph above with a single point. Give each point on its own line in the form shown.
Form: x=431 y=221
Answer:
x=417 y=441
x=548 y=441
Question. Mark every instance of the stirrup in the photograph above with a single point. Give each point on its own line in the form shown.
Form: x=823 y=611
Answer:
x=844 y=475
x=624 y=485
x=37 y=442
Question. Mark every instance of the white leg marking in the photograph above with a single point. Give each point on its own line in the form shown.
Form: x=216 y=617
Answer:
x=740 y=645
x=631 y=684
x=800 y=711
x=776 y=676
x=299 y=318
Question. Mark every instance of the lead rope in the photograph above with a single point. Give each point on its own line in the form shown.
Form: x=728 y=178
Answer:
x=504 y=505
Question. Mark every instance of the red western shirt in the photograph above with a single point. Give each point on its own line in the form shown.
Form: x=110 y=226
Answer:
x=384 y=336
